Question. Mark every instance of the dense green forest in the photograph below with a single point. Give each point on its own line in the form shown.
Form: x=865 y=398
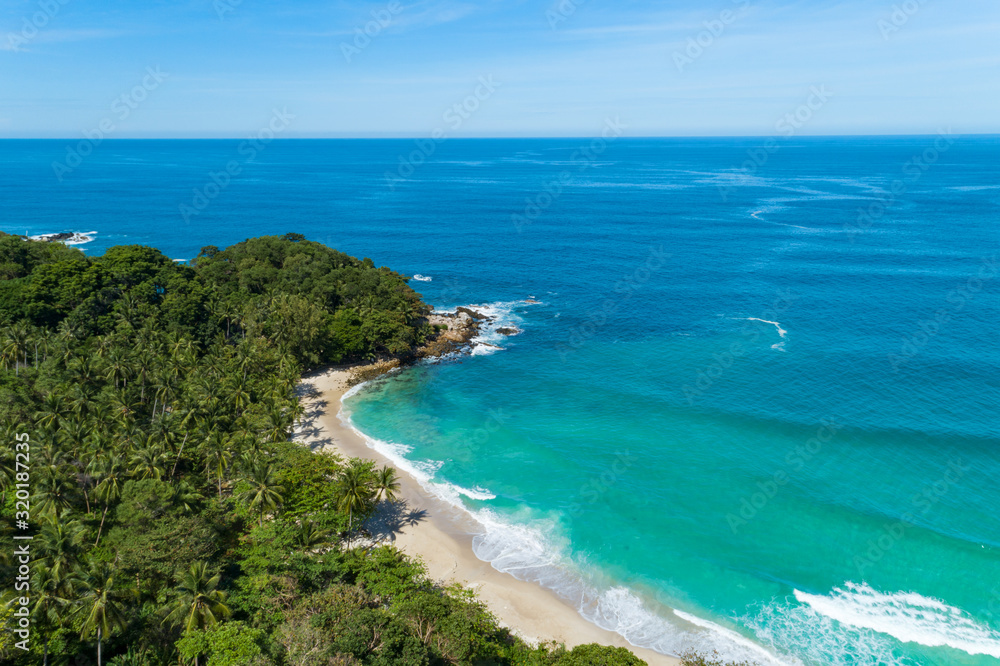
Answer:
x=173 y=521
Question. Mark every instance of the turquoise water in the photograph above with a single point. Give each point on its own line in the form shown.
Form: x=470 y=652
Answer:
x=740 y=417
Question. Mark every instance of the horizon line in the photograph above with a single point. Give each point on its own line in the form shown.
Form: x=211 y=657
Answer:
x=404 y=137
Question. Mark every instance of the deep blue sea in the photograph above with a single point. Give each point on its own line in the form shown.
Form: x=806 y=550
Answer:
x=754 y=407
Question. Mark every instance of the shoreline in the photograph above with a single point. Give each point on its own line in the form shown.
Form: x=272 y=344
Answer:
x=441 y=535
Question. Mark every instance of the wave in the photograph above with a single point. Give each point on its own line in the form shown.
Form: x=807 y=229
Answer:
x=534 y=549
x=422 y=278
x=791 y=627
x=502 y=314
x=74 y=238
x=906 y=616
x=782 y=333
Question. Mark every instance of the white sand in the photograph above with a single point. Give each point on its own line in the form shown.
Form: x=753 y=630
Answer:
x=441 y=536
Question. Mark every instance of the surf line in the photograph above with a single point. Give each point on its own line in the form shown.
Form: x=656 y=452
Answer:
x=781 y=331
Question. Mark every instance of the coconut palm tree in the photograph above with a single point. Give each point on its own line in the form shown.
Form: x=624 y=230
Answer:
x=386 y=484
x=311 y=535
x=109 y=489
x=355 y=490
x=198 y=604
x=264 y=492
x=59 y=542
x=101 y=603
x=218 y=456
x=53 y=493
x=50 y=598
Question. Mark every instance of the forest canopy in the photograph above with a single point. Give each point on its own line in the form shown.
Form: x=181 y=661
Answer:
x=173 y=519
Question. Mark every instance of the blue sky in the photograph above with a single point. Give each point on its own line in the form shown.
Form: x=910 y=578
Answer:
x=513 y=67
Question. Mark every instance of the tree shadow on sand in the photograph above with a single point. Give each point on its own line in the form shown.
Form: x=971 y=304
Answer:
x=391 y=518
x=308 y=425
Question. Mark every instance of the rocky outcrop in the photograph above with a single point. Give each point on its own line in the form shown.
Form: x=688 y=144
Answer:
x=364 y=373
x=508 y=331
x=455 y=331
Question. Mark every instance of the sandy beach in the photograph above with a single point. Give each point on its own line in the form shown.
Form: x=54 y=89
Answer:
x=441 y=535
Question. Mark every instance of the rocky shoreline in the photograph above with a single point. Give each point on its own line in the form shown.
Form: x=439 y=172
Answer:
x=456 y=332
x=70 y=238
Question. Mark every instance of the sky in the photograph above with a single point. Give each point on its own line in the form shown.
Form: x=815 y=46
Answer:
x=399 y=68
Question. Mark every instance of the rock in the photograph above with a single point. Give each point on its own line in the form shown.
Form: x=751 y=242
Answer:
x=471 y=313
x=508 y=331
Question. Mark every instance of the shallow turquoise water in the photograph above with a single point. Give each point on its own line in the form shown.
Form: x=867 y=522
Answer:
x=734 y=420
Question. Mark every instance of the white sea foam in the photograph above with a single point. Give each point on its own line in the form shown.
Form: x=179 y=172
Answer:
x=906 y=616
x=781 y=332
x=796 y=628
x=78 y=237
x=754 y=651
x=502 y=314
x=531 y=548
x=422 y=278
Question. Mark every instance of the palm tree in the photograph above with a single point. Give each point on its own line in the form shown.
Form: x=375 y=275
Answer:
x=218 y=456
x=265 y=492
x=118 y=368
x=60 y=541
x=100 y=603
x=355 y=490
x=50 y=596
x=311 y=535
x=53 y=493
x=109 y=489
x=149 y=462
x=386 y=484
x=198 y=604
x=16 y=345
x=52 y=411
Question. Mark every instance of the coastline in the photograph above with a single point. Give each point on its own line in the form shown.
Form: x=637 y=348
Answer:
x=441 y=535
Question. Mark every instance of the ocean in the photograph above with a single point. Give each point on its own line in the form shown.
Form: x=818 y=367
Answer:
x=752 y=408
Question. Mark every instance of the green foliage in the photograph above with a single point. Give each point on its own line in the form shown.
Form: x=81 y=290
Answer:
x=176 y=522
x=697 y=659
x=387 y=573
x=229 y=644
x=593 y=654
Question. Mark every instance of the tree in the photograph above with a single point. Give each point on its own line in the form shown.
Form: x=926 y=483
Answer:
x=198 y=604
x=264 y=491
x=386 y=483
x=101 y=603
x=51 y=592
x=355 y=489
x=60 y=540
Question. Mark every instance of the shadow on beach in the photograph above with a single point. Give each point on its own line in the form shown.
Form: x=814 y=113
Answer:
x=308 y=428
x=391 y=518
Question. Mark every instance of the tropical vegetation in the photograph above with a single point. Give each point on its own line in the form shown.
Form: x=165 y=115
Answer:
x=173 y=519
